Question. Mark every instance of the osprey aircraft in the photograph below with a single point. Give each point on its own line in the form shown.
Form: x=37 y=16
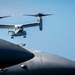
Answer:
x=19 y=29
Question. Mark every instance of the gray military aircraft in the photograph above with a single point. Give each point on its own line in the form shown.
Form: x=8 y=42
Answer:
x=15 y=60
x=19 y=29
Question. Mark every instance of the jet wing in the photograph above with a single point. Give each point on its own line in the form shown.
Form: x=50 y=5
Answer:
x=30 y=25
x=7 y=26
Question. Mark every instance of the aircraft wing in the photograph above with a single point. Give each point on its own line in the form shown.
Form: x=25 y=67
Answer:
x=7 y=26
x=30 y=25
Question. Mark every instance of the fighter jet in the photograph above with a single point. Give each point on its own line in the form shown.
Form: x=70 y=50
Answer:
x=11 y=54
x=19 y=29
x=15 y=60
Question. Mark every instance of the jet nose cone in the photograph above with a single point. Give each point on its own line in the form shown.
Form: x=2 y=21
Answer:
x=23 y=54
x=11 y=54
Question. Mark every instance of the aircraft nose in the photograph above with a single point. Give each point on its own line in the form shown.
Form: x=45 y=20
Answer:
x=24 y=54
x=12 y=54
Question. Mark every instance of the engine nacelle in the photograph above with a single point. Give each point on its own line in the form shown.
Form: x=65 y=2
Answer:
x=12 y=54
x=40 y=22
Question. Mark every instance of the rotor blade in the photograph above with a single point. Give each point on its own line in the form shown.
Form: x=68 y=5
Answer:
x=28 y=15
x=4 y=17
x=46 y=14
x=39 y=14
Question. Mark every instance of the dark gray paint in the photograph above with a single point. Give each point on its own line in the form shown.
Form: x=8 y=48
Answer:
x=41 y=64
x=11 y=54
